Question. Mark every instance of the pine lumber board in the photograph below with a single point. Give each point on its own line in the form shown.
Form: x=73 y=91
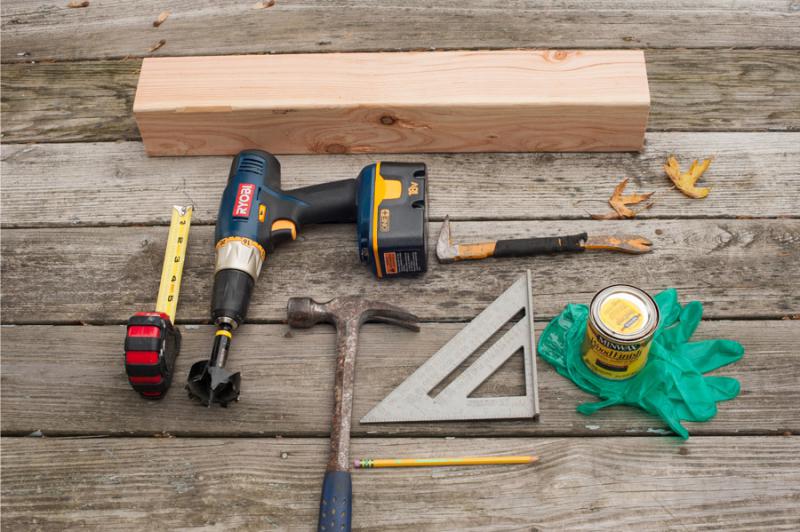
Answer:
x=737 y=268
x=405 y=102
x=287 y=385
x=259 y=484
x=41 y=29
x=691 y=90
x=753 y=174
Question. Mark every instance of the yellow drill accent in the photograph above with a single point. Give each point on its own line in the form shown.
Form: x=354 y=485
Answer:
x=174 y=257
x=223 y=332
x=244 y=240
x=277 y=225
x=384 y=189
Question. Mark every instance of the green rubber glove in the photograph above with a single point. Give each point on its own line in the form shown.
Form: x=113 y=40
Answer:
x=671 y=385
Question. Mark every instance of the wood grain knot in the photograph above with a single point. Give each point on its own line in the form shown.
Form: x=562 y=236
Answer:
x=388 y=120
x=335 y=148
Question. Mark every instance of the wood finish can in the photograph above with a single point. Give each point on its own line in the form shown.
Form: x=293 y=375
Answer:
x=622 y=322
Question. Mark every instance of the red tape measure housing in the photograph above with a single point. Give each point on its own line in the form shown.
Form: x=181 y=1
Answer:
x=151 y=346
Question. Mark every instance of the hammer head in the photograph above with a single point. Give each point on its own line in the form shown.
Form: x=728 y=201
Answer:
x=304 y=312
x=446 y=251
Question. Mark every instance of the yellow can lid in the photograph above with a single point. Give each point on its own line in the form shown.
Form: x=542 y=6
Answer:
x=624 y=312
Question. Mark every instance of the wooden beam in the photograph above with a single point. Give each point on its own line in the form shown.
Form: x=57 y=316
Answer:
x=740 y=90
x=226 y=484
x=70 y=380
x=41 y=29
x=709 y=260
x=481 y=101
x=753 y=174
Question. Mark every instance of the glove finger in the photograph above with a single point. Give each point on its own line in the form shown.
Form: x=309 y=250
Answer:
x=709 y=355
x=668 y=306
x=680 y=333
x=724 y=388
x=667 y=412
x=695 y=397
x=587 y=409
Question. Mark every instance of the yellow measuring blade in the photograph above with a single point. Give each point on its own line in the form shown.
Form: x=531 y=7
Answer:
x=174 y=257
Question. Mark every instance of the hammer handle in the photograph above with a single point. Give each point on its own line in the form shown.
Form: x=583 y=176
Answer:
x=527 y=247
x=336 y=503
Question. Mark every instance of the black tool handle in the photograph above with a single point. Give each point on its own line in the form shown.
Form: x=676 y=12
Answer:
x=336 y=504
x=333 y=202
x=526 y=247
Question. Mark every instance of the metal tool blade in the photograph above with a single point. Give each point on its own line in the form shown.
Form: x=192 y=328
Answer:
x=411 y=401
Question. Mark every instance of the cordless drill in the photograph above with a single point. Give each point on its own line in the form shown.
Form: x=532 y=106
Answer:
x=386 y=200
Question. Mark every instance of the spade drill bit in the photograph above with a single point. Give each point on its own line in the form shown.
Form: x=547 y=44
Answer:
x=209 y=382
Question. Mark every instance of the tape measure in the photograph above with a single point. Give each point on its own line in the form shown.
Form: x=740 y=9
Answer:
x=174 y=257
x=152 y=341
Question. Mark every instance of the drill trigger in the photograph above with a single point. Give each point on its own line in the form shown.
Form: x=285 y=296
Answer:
x=283 y=230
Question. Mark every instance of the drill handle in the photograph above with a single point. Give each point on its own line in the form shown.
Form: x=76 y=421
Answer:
x=333 y=202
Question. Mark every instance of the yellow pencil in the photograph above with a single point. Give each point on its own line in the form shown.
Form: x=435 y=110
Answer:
x=432 y=462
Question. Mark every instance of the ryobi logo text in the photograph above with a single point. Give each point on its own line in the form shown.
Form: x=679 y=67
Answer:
x=244 y=200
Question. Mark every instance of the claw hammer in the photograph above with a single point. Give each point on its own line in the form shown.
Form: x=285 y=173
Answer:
x=347 y=314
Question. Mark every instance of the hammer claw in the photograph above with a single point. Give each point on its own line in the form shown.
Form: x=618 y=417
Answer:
x=408 y=321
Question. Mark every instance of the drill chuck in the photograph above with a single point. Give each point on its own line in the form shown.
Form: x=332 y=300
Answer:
x=231 y=296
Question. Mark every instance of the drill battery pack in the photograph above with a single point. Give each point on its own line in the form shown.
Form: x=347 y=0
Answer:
x=392 y=218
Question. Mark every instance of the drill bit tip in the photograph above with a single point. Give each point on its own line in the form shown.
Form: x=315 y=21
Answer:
x=213 y=385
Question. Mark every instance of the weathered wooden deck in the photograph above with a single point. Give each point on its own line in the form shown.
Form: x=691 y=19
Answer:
x=84 y=215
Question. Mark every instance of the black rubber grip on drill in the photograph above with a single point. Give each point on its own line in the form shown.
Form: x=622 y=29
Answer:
x=527 y=247
x=232 y=290
x=333 y=202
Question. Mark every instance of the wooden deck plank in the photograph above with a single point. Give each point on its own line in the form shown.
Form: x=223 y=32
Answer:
x=258 y=484
x=41 y=29
x=719 y=90
x=71 y=380
x=753 y=174
x=737 y=268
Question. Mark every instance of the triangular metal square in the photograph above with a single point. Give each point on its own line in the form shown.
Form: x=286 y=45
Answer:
x=411 y=401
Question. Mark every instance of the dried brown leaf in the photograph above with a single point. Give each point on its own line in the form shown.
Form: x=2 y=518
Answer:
x=157 y=45
x=620 y=203
x=161 y=18
x=613 y=215
x=264 y=4
x=78 y=3
x=685 y=181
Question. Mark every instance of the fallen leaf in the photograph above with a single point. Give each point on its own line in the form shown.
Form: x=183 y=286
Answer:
x=264 y=4
x=685 y=181
x=158 y=45
x=161 y=18
x=620 y=203
x=78 y=3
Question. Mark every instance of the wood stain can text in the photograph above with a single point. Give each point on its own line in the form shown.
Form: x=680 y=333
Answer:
x=622 y=322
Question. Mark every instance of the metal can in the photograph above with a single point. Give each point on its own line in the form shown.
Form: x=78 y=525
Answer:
x=622 y=322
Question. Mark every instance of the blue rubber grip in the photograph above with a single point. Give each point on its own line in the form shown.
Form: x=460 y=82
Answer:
x=336 y=504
